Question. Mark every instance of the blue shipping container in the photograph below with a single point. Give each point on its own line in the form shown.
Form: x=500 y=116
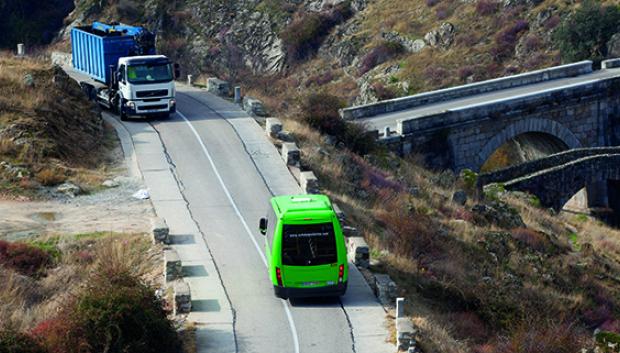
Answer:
x=93 y=54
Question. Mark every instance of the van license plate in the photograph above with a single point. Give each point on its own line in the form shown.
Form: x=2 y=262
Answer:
x=310 y=284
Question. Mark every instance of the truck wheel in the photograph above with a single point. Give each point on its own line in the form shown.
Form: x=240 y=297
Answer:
x=120 y=110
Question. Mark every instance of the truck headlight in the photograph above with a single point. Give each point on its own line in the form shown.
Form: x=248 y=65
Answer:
x=173 y=102
x=131 y=105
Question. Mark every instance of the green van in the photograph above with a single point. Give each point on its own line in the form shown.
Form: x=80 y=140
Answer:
x=304 y=247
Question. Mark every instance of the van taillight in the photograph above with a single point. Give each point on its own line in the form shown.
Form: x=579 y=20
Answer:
x=279 y=276
x=340 y=273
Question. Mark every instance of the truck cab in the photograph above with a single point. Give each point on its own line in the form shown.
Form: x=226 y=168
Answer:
x=145 y=86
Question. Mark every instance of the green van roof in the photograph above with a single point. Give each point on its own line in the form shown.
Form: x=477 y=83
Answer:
x=301 y=203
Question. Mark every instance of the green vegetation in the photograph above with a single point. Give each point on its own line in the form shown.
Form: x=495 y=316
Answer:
x=13 y=341
x=103 y=304
x=584 y=34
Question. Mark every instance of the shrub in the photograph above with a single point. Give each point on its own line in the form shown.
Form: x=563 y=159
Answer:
x=320 y=111
x=116 y=313
x=431 y=3
x=12 y=341
x=303 y=36
x=383 y=92
x=465 y=72
x=441 y=12
x=380 y=54
x=358 y=139
x=552 y=22
x=469 y=326
x=436 y=75
x=585 y=34
x=320 y=79
x=530 y=238
x=50 y=176
x=24 y=258
x=548 y=337
x=486 y=7
x=506 y=39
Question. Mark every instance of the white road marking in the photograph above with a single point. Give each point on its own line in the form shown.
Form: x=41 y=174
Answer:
x=245 y=225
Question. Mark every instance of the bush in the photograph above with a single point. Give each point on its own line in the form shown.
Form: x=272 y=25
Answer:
x=358 y=139
x=383 y=92
x=50 y=176
x=320 y=111
x=12 y=341
x=380 y=54
x=506 y=39
x=549 y=337
x=486 y=7
x=303 y=36
x=530 y=238
x=431 y=3
x=585 y=34
x=24 y=258
x=116 y=313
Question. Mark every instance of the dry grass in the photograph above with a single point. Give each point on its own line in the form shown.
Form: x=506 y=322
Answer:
x=25 y=302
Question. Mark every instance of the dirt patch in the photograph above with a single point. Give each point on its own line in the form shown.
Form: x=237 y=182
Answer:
x=111 y=210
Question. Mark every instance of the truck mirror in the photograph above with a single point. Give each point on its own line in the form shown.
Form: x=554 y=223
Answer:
x=262 y=226
x=177 y=71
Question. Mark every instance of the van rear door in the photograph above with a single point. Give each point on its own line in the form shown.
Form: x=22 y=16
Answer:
x=309 y=255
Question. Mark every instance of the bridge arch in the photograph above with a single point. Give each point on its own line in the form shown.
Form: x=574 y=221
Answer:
x=532 y=125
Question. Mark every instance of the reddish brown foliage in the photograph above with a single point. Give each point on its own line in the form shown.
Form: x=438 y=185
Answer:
x=24 y=258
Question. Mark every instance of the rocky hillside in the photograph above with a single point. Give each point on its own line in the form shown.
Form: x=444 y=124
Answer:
x=374 y=49
x=49 y=131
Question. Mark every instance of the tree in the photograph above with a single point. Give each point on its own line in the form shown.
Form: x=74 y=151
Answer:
x=585 y=33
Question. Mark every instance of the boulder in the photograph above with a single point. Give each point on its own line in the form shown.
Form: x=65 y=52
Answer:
x=410 y=45
x=613 y=46
x=443 y=37
x=69 y=189
x=110 y=184
x=499 y=214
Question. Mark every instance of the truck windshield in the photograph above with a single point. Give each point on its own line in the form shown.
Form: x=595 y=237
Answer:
x=308 y=244
x=147 y=73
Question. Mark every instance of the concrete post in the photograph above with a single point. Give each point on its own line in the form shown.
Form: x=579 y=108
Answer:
x=400 y=308
x=21 y=49
x=237 y=94
x=189 y=80
x=386 y=131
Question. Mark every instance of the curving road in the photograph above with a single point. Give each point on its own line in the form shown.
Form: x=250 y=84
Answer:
x=227 y=170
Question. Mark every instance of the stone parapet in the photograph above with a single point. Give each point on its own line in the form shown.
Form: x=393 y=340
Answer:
x=447 y=94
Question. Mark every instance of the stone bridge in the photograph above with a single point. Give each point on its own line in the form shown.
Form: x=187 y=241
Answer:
x=461 y=127
x=557 y=178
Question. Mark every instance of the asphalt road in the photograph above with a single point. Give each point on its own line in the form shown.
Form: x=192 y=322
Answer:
x=379 y=122
x=210 y=144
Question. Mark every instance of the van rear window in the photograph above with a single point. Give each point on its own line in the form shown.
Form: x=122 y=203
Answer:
x=308 y=244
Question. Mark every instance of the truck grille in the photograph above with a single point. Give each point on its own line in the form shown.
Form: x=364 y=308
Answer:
x=152 y=107
x=154 y=93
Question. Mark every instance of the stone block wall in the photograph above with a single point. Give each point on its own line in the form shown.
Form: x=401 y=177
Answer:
x=581 y=116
